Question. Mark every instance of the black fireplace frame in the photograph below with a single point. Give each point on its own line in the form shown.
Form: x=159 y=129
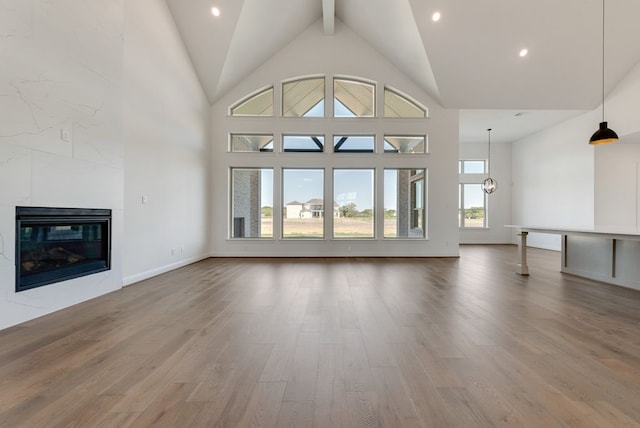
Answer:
x=41 y=216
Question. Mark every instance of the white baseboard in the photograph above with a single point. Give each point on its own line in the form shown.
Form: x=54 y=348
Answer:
x=132 y=279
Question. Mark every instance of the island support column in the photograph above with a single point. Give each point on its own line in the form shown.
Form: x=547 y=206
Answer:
x=522 y=268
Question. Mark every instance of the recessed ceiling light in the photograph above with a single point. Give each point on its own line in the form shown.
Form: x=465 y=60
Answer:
x=524 y=52
x=215 y=11
x=436 y=16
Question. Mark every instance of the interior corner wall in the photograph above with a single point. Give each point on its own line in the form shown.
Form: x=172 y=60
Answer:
x=166 y=134
x=617 y=189
x=342 y=54
x=623 y=105
x=617 y=166
x=559 y=180
x=553 y=179
x=60 y=133
x=499 y=202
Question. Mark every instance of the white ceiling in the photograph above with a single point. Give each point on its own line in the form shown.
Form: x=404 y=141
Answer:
x=469 y=60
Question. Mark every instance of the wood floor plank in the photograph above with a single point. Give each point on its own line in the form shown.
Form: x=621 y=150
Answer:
x=435 y=366
x=362 y=407
x=330 y=399
x=334 y=342
x=264 y=405
x=216 y=382
x=395 y=406
x=496 y=396
x=302 y=378
x=281 y=361
x=469 y=412
x=167 y=408
x=547 y=396
x=356 y=367
x=245 y=381
x=431 y=407
x=295 y=414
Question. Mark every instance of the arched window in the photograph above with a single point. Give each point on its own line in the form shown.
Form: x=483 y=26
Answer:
x=353 y=98
x=259 y=104
x=396 y=105
x=303 y=97
x=328 y=178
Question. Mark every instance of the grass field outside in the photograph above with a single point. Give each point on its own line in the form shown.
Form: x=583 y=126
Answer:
x=313 y=228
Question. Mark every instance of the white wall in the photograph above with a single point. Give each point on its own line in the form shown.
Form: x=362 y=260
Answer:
x=166 y=135
x=561 y=181
x=617 y=166
x=623 y=105
x=617 y=187
x=344 y=53
x=108 y=74
x=553 y=179
x=499 y=202
x=61 y=71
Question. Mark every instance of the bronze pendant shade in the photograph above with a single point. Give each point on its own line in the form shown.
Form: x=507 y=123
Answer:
x=603 y=135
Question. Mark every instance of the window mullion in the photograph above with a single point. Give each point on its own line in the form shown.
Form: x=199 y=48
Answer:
x=330 y=197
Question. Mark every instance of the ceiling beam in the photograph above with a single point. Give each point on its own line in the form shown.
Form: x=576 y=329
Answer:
x=329 y=16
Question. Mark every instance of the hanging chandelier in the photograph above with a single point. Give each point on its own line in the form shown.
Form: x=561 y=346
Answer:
x=489 y=185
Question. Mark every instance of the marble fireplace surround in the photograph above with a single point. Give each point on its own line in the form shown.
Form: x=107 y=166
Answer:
x=61 y=133
x=84 y=80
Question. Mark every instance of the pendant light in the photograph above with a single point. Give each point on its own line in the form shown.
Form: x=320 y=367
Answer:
x=603 y=135
x=489 y=185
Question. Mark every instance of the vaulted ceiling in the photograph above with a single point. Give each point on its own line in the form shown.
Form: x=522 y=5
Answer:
x=469 y=60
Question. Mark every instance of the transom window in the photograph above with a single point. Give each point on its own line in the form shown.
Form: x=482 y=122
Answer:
x=471 y=167
x=405 y=144
x=251 y=143
x=354 y=143
x=303 y=143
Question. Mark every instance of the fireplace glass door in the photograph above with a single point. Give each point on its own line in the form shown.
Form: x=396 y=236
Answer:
x=57 y=244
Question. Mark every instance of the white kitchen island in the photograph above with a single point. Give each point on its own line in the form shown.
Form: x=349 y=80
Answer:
x=606 y=255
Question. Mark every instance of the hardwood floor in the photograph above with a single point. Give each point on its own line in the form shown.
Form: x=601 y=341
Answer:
x=331 y=342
